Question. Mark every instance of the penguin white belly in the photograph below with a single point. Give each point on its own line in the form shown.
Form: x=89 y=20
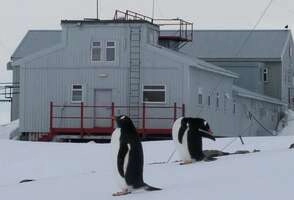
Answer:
x=115 y=143
x=182 y=148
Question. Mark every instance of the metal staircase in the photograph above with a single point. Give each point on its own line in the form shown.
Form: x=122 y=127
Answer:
x=134 y=73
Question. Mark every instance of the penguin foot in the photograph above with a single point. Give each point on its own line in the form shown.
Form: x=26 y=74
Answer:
x=186 y=162
x=124 y=192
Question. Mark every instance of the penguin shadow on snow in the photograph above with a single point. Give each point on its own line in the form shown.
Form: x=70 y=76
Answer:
x=187 y=133
x=128 y=157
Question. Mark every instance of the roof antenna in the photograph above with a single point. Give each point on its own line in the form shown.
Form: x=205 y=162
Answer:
x=153 y=6
x=97 y=5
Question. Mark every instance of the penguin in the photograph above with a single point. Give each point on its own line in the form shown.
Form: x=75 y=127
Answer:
x=187 y=135
x=128 y=157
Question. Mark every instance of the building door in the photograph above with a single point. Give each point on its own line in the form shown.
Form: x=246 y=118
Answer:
x=102 y=112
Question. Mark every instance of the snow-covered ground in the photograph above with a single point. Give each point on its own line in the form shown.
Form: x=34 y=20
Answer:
x=10 y=130
x=85 y=172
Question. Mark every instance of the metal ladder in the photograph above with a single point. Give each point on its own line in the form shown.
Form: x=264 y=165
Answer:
x=134 y=73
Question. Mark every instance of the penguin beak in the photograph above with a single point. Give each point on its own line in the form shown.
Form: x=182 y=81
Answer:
x=210 y=132
x=204 y=131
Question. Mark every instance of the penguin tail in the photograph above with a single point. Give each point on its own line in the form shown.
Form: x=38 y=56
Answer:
x=150 y=188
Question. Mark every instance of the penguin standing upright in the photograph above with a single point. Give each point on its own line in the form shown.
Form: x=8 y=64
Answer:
x=128 y=157
x=187 y=134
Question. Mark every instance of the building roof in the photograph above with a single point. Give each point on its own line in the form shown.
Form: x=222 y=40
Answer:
x=36 y=40
x=239 y=44
x=191 y=61
x=253 y=95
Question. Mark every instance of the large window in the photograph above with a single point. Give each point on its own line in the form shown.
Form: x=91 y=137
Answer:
x=76 y=93
x=110 y=51
x=96 y=51
x=102 y=51
x=154 y=94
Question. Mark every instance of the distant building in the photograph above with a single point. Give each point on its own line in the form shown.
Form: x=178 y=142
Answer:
x=263 y=59
x=74 y=80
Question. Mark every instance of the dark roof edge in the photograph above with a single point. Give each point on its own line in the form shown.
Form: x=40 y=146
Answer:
x=240 y=59
x=98 y=21
x=44 y=30
x=241 y=30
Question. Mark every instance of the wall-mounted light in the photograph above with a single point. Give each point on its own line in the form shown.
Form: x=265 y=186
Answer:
x=103 y=75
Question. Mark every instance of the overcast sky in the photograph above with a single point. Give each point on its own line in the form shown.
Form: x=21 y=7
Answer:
x=18 y=16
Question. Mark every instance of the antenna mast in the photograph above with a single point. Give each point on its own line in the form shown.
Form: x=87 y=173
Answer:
x=97 y=6
x=153 y=6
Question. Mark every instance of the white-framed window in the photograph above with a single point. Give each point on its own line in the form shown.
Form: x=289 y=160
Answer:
x=96 y=51
x=154 y=93
x=208 y=101
x=217 y=100
x=110 y=50
x=226 y=99
x=77 y=93
x=200 y=96
x=265 y=75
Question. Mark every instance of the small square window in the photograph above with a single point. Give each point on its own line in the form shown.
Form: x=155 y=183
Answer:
x=96 y=44
x=217 y=100
x=76 y=93
x=110 y=44
x=265 y=75
x=154 y=94
x=199 y=98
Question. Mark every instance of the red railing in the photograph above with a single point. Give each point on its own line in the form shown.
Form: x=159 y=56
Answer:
x=147 y=121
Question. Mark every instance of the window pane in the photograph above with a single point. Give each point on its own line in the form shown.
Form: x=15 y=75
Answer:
x=96 y=44
x=110 y=54
x=77 y=86
x=77 y=95
x=154 y=96
x=154 y=87
x=199 y=98
x=96 y=54
x=110 y=44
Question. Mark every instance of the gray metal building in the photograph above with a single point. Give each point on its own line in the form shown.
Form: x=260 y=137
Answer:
x=265 y=57
x=112 y=67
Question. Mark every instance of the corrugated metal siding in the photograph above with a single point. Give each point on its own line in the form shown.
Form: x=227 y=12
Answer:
x=49 y=78
x=218 y=117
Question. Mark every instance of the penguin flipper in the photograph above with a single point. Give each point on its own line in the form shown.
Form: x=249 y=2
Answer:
x=151 y=188
x=182 y=130
x=123 y=149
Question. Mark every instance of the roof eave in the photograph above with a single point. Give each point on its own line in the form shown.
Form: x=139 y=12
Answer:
x=278 y=59
x=221 y=72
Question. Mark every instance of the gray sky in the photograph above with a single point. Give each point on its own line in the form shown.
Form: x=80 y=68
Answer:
x=18 y=16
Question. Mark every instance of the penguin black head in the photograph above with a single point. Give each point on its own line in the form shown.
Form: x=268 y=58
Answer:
x=124 y=122
x=197 y=124
x=205 y=126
